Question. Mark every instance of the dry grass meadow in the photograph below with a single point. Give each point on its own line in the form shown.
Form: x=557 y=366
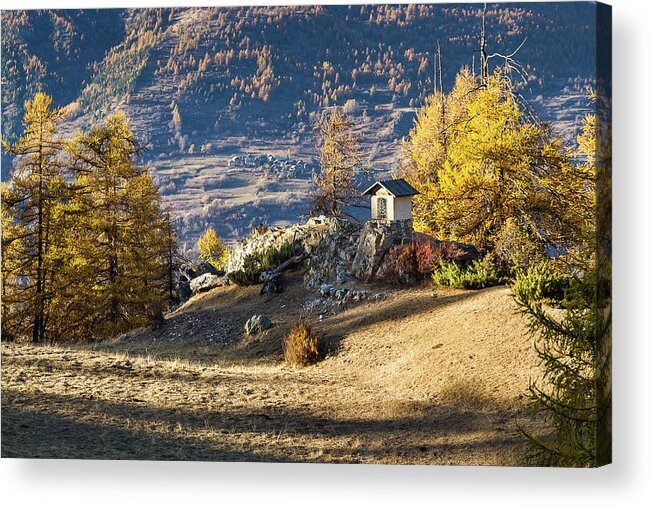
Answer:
x=425 y=376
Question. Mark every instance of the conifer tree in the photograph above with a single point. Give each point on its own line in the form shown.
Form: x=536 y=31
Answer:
x=86 y=249
x=427 y=146
x=28 y=213
x=575 y=348
x=15 y=300
x=212 y=249
x=119 y=243
x=479 y=159
x=340 y=156
x=172 y=259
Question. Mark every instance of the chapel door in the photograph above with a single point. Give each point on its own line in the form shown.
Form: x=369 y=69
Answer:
x=381 y=208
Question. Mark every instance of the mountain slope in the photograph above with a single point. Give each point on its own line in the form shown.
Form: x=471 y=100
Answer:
x=205 y=84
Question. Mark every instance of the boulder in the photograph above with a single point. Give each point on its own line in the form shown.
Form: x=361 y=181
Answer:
x=374 y=242
x=257 y=324
x=207 y=281
x=332 y=253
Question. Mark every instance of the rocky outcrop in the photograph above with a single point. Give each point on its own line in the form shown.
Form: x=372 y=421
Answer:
x=273 y=237
x=332 y=253
x=375 y=241
x=341 y=252
x=330 y=244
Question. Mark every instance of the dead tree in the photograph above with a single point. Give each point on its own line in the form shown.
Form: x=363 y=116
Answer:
x=509 y=62
x=482 y=49
x=272 y=280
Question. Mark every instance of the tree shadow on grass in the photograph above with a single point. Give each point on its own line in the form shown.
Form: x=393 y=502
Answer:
x=60 y=426
x=31 y=434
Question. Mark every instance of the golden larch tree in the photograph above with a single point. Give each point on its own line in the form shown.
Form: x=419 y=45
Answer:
x=29 y=232
x=119 y=243
x=483 y=162
x=212 y=249
x=341 y=158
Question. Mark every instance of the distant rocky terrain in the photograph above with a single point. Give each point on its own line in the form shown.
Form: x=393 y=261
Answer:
x=225 y=97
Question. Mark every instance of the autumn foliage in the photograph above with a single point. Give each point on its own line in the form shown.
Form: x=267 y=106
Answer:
x=481 y=160
x=340 y=157
x=415 y=261
x=87 y=251
x=212 y=249
x=492 y=174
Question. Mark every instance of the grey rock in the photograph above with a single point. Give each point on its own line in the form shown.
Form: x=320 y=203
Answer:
x=375 y=241
x=340 y=251
x=326 y=290
x=207 y=282
x=257 y=324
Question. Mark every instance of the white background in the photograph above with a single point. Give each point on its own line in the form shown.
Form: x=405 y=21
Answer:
x=626 y=482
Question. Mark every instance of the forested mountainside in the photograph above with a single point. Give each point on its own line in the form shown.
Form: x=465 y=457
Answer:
x=204 y=85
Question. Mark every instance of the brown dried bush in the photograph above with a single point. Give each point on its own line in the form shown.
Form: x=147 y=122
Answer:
x=301 y=346
x=417 y=260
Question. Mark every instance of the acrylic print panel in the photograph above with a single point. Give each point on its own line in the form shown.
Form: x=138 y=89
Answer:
x=195 y=266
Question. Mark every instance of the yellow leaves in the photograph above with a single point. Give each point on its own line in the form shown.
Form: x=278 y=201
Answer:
x=39 y=119
x=478 y=160
x=212 y=249
x=587 y=139
x=83 y=233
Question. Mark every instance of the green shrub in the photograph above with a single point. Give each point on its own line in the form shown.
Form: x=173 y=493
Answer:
x=541 y=283
x=574 y=392
x=272 y=257
x=478 y=275
x=258 y=262
x=243 y=277
x=301 y=346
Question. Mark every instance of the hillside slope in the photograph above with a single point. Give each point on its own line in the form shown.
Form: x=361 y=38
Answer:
x=418 y=377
